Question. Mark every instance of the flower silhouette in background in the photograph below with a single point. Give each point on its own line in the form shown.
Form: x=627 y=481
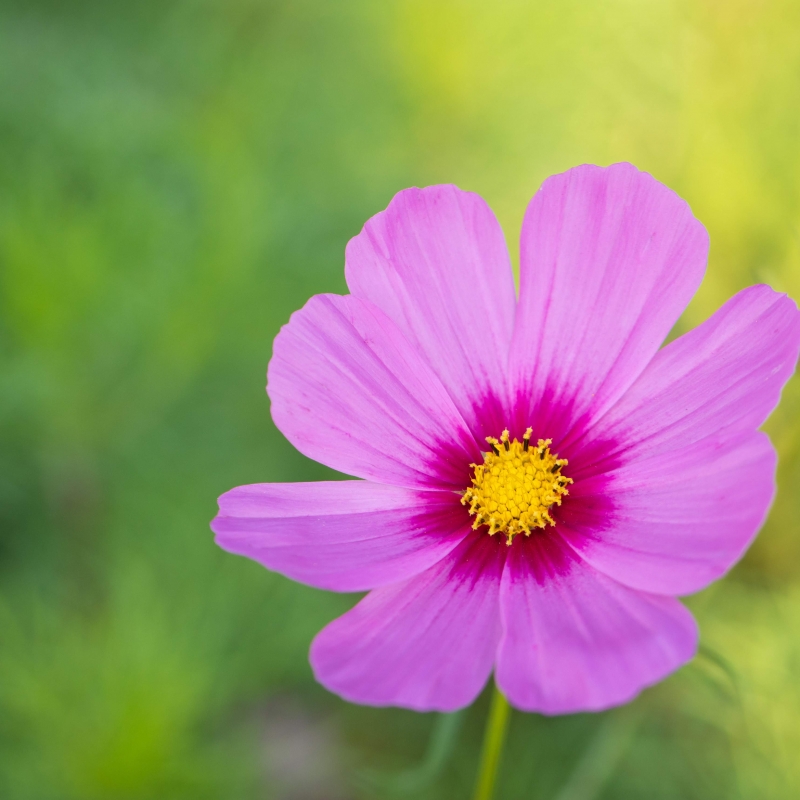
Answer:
x=539 y=478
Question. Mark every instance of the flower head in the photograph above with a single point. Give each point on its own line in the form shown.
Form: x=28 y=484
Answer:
x=539 y=478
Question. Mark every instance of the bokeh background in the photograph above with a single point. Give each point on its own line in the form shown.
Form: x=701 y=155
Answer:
x=176 y=177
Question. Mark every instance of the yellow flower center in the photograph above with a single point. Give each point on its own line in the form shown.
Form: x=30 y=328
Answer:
x=516 y=486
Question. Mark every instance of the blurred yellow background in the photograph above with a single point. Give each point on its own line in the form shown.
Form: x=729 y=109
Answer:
x=175 y=178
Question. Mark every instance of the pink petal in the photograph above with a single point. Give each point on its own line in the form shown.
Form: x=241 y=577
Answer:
x=679 y=521
x=436 y=262
x=426 y=644
x=349 y=391
x=609 y=259
x=722 y=379
x=342 y=535
x=695 y=481
x=575 y=640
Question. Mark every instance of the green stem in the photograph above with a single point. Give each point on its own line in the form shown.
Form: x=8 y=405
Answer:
x=493 y=741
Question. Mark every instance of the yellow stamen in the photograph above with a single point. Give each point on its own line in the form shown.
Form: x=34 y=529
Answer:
x=516 y=486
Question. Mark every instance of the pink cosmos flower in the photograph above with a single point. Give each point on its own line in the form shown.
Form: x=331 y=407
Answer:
x=539 y=478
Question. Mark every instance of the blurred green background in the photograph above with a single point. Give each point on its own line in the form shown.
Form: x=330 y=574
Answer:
x=175 y=179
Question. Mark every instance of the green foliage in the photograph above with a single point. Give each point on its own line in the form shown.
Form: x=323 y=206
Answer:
x=175 y=179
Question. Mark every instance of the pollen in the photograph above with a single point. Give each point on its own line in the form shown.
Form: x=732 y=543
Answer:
x=514 y=489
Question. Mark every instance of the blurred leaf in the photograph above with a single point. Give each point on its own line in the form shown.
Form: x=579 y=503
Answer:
x=411 y=781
